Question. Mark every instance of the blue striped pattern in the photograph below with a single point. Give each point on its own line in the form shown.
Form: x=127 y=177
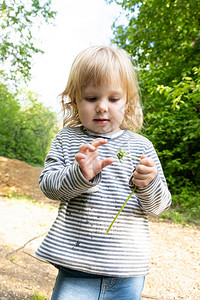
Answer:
x=78 y=237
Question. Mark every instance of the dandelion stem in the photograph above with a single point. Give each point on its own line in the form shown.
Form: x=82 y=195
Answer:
x=120 y=210
x=132 y=157
x=120 y=155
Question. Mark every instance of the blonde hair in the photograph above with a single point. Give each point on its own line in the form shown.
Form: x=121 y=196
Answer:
x=100 y=65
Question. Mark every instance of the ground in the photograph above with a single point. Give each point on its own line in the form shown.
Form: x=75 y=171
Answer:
x=175 y=249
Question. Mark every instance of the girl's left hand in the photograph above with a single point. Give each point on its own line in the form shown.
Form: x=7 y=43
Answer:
x=145 y=172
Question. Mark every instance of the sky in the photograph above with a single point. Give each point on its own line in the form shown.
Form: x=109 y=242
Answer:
x=78 y=25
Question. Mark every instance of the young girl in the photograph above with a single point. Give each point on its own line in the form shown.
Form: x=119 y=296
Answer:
x=83 y=172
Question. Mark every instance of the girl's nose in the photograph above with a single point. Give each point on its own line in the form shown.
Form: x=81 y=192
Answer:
x=102 y=106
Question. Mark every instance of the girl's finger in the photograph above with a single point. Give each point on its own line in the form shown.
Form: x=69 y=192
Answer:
x=80 y=156
x=86 y=147
x=143 y=156
x=147 y=161
x=98 y=142
x=144 y=169
x=140 y=176
x=106 y=162
x=140 y=183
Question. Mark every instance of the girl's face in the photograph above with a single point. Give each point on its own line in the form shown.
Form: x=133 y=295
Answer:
x=101 y=108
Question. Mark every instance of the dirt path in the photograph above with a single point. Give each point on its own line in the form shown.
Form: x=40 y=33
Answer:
x=174 y=268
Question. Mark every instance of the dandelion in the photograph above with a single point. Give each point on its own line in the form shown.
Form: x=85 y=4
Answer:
x=121 y=154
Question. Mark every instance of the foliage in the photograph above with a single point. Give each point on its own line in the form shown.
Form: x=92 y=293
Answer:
x=163 y=39
x=17 y=21
x=38 y=296
x=163 y=36
x=186 y=207
x=9 y=120
x=25 y=132
x=173 y=125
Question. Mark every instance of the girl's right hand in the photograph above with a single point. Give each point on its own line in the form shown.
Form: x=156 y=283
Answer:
x=88 y=161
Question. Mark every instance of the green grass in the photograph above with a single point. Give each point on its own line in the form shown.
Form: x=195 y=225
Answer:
x=179 y=217
x=185 y=208
x=12 y=258
x=29 y=199
x=19 y=197
x=38 y=296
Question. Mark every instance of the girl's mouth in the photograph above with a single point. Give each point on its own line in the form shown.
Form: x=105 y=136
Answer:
x=101 y=121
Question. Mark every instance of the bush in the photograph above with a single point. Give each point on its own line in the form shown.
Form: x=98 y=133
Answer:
x=25 y=131
x=172 y=123
x=185 y=207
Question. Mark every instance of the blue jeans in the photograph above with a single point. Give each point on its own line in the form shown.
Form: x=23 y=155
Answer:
x=82 y=286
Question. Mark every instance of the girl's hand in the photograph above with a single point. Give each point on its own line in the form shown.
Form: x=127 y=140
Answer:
x=145 y=172
x=87 y=159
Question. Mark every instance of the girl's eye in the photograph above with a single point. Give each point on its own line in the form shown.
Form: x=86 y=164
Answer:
x=91 y=99
x=113 y=99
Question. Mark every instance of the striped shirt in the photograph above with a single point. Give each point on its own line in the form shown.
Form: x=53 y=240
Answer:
x=78 y=238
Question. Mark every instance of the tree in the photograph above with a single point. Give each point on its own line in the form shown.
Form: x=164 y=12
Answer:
x=9 y=119
x=172 y=122
x=162 y=36
x=38 y=126
x=163 y=39
x=17 y=18
x=25 y=131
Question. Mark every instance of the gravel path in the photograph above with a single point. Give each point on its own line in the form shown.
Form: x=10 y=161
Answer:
x=174 y=266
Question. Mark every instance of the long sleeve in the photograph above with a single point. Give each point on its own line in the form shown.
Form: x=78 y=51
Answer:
x=154 y=198
x=61 y=180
